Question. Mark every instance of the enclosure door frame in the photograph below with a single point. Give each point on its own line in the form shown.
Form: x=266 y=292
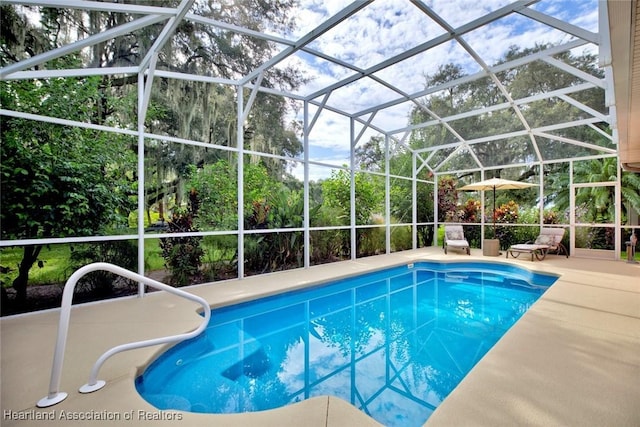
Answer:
x=574 y=224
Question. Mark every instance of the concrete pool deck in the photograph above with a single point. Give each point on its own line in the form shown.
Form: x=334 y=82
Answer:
x=572 y=360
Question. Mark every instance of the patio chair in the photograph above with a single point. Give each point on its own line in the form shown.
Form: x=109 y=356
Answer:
x=454 y=238
x=549 y=240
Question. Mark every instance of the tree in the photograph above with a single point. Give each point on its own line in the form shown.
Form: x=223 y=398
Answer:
x=217 y=188
x=111 y=100
x=520 y=82
x=201 y=111
x=370 y=156
x=58 y=181
x=337 y=194
x=198 y=111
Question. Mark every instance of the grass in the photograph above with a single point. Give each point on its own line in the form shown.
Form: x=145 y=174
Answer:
x=56 y=268
x=153 y=256
x=623 y=255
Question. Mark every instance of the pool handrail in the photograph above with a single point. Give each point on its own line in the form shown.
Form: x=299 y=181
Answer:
x=55 y=396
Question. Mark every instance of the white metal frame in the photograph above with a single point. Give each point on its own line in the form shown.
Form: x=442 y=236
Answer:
x=320 y=99
x=574 y=224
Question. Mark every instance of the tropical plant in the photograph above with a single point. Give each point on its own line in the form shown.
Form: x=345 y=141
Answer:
x=506 y=214
x=596 y=203
x=217 y=188
x=183 y=255
x=447 y=199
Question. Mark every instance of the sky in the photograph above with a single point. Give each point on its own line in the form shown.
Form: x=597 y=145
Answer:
x=387 y=28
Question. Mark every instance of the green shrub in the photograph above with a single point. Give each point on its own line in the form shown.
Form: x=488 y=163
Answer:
x=328 y=245
x=506 y=213
x=220 y=258
x=268 y=252
x=102 y=283
x=401 y=238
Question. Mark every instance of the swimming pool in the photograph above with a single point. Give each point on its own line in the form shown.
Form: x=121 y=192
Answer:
x=394 y=342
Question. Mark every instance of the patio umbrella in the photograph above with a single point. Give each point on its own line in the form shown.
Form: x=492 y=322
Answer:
x=494 y=184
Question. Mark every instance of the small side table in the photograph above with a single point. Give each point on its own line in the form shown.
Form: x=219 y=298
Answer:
x=491 y=247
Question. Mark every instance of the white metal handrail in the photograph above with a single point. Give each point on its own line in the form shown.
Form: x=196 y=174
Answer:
x=55 y=395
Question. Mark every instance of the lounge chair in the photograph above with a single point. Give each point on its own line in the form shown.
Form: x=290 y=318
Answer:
x=549 y=240
x=454 y=238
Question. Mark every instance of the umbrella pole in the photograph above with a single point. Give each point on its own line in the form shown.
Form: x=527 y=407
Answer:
x=493 y=214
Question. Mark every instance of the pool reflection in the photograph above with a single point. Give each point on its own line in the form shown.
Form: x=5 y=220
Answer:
x=394 y=348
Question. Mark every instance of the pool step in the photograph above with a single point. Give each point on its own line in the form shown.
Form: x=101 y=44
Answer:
x=252 y=366
x=231 y=342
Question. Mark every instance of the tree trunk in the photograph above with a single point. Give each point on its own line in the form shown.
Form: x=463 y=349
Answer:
x=161 y=210
x=29 y=257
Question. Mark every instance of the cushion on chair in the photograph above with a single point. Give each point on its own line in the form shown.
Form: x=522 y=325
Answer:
x=527 y=247
x=545 y=239
x=454 y=235
x=454 y=238
x=556 y=234
x=458 y=243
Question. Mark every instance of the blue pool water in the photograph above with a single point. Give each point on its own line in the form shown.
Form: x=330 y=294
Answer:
x=394 y=343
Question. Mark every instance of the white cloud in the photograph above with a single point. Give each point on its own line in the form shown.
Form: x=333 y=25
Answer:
x=386 y=28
